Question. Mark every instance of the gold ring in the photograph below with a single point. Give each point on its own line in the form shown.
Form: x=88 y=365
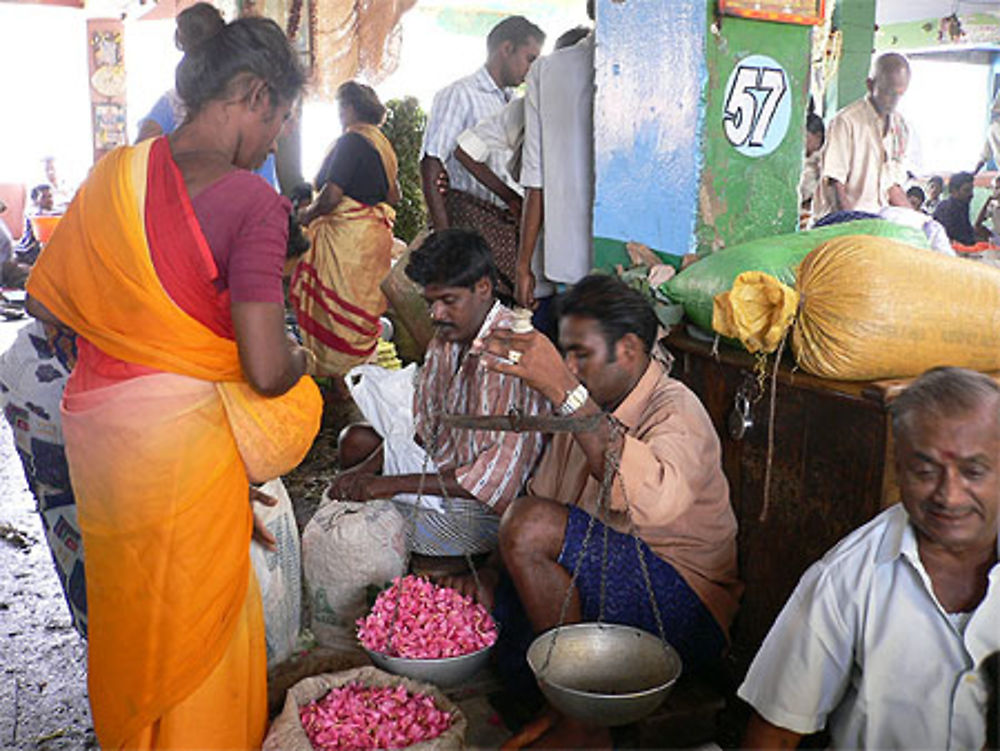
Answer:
x=514 y=356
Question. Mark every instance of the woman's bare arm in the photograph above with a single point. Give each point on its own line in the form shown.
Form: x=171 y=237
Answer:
x=271 y=362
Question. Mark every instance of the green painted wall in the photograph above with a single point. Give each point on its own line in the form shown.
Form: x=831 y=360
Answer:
x=740 y=197
x=856 y=20
x=980 y=28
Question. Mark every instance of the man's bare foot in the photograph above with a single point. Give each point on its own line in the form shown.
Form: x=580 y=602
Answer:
x=556 y=731
x=466 y=584
x=567 y=733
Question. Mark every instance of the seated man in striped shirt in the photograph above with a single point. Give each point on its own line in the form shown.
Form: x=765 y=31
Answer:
x=479 y=471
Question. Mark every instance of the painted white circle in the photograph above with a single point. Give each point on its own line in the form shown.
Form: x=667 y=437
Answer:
x=757 y=107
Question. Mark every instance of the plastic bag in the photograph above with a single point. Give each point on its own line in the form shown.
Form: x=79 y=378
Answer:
x=279 y=573
x=286 y=733
x=385 y=398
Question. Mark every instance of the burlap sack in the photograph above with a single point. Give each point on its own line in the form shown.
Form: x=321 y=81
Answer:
x=346 y=548
x=286 y=732
x=869 y=308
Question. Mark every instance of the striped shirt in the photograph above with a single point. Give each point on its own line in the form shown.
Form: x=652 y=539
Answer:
x=492 y=465
x=456 y=108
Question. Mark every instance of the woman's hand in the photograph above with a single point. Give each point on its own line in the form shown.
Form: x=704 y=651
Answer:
x=271 y=363
x=261 y=534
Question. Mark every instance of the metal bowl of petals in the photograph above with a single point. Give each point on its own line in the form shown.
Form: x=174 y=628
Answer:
x=427 y=632
x=604 y=674
x=444 y=672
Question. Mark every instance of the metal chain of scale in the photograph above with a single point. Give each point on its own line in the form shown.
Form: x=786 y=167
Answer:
x=411 y=525
x=612 y=471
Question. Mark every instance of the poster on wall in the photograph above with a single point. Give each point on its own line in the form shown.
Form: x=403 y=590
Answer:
x=105 y=38
x=109 y=126
x=757 y=107
x=804 y=12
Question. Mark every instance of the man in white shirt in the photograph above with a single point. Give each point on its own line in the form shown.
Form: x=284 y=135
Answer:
x=864 y=159
x=884 y=640
x=504 y=133
x=512 y=46
x=557 y=169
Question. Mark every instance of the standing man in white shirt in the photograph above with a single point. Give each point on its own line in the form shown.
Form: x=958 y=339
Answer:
x=557 y=170
x=504 y=132
x=512 y=46
x=884 y=640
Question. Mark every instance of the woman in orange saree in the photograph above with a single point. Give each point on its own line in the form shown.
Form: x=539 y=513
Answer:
x=186 y=388
x=335 y=285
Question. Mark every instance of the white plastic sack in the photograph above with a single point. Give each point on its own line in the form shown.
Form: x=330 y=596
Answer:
x=932 y=229
x=346 y=548
x=279 y=573
x=286 y=733
x=385 y=398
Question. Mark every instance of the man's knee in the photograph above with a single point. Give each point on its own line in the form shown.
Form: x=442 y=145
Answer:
x=356 y=443
x=532 y=526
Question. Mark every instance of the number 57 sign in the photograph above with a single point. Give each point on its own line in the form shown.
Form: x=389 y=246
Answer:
x=757 y=106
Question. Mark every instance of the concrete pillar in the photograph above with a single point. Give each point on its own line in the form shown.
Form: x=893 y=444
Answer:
x=856 y=21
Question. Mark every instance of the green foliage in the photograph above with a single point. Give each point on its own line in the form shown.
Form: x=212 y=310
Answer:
x=668 y=313
x=404 y=127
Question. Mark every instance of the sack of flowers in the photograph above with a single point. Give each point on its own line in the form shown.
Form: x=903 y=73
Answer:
x=366 y=708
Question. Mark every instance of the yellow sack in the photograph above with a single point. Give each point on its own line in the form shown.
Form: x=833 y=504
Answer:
x=873 y=308
x=273 y=434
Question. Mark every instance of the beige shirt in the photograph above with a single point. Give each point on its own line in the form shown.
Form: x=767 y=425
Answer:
x=860 y=156
x=675 y=493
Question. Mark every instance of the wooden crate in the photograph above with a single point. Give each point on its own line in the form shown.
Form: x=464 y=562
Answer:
x=831 y=470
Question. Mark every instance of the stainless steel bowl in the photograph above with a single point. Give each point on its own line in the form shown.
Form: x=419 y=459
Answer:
x=443 y=671
x=604 y=674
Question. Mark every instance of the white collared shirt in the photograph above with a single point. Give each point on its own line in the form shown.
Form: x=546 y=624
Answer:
x=864 y=646
x=559 y=156
x=457 y=107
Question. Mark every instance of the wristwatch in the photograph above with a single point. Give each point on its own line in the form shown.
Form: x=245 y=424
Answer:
x=573 y=401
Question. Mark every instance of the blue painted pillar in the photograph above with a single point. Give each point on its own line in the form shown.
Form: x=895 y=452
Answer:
x=650 y=70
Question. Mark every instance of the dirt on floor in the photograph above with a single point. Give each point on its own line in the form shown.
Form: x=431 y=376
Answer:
x=43 y=684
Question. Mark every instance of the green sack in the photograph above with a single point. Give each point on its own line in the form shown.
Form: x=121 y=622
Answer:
x=779 y=256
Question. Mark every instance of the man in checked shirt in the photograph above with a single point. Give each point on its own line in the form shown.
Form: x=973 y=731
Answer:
x=512 y=46
x=481 y=471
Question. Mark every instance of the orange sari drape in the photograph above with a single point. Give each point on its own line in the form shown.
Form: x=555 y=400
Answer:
x=335 y=286
x=176 y=635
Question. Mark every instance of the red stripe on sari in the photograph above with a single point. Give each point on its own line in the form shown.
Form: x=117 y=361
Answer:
x=310 y=271
x=311 y=291
x=178 y=248
x=331 y=340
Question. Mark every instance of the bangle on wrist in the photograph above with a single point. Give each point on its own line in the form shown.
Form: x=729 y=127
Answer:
x=310 y=358
x=574 y=399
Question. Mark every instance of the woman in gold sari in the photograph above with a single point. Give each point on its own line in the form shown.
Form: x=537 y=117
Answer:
x=168 y=267
x=335 y=286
